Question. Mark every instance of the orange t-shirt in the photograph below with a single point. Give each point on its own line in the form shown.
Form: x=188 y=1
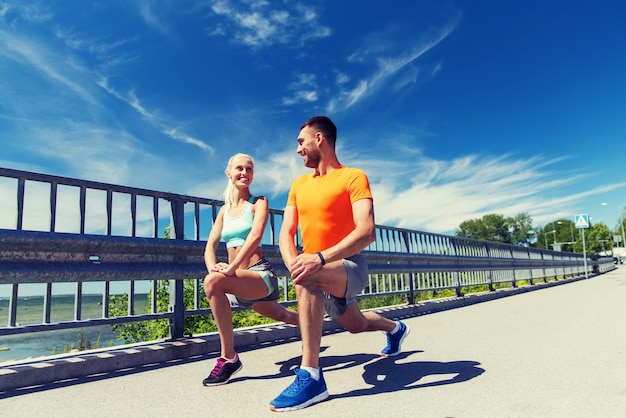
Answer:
x=324 y=205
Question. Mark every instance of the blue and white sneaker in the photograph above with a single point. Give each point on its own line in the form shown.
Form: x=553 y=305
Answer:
x=394 y=341
x=304 y=391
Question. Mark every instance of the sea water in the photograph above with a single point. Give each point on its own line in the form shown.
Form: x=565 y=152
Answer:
x=46 y=343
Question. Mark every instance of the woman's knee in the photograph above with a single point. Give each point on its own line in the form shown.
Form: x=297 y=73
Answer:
x=212 y=283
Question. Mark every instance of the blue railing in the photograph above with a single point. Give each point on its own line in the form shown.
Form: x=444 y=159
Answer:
x=57 y=231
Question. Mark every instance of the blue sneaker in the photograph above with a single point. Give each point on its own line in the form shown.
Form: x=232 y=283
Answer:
x=395 y=340
x=304 y=391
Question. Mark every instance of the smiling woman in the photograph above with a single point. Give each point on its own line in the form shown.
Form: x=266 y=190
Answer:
x=247 y=277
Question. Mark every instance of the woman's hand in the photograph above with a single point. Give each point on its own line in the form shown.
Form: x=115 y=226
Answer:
x=224 y=268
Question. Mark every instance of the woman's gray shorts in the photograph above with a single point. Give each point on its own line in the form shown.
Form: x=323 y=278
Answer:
x=265 y=269
x=356 y=267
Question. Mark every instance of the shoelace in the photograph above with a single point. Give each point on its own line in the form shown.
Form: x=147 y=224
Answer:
x=296 y=385
x=218 y=366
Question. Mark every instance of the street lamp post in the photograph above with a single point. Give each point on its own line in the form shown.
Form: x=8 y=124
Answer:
x=553 y=245
x=571 y=230
x=554 y=232
x=545 y=236
x=621 y=222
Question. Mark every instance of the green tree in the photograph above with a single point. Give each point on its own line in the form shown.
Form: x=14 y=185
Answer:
x=521 y=227
x=563 y=233
x=620 y=227
x=597 y=239
x=491 y=227
x=156 y=329
x=197 y=324
x=498 y=228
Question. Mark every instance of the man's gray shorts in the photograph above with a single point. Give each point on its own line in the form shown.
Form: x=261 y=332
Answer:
x=356 y=267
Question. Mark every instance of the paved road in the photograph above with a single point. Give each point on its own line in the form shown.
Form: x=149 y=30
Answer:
x=556 y=352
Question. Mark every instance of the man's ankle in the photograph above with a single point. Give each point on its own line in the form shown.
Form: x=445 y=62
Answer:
x=313 y=371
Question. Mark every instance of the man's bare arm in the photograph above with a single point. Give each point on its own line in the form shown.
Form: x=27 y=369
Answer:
x=288 y=229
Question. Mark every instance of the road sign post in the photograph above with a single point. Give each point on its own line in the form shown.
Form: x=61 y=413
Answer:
x=582 y=222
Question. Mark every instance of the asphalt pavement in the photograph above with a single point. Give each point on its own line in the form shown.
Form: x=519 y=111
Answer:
x=556 y=352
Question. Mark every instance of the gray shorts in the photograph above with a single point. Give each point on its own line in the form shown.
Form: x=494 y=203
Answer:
x=265 y=269
x=356 y=267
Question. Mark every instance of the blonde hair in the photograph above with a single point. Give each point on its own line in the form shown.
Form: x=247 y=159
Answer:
x=230 y=187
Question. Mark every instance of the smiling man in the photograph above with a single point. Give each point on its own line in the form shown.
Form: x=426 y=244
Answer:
x=335 y=211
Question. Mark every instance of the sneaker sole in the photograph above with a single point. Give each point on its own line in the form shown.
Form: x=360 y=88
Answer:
x=224 y=382
x=319 y=398
x=408 y=330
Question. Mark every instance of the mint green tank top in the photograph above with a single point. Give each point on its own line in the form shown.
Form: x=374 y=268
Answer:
x=235 y=229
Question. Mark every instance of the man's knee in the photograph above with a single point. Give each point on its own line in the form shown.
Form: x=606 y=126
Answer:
x=309 y=289
x=355 y=327
x=353 y=320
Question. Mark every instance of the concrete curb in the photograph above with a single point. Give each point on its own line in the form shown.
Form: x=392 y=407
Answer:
x=50 y=369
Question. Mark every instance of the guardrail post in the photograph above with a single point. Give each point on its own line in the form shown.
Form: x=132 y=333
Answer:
x=532 y=281
x=410 y=298
x=457 y=273
x=514 y=282
x=489 y=272
x=177 y=287
x=21 y=184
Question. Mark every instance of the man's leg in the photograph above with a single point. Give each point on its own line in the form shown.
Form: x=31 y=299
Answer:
x=311 y=318
x=309 y=386
x=333 y=279
x=355 y=321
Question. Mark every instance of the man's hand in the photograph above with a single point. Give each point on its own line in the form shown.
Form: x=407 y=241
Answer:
x=304 y=265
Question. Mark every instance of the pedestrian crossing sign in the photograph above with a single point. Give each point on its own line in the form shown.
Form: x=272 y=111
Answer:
x=581 y=221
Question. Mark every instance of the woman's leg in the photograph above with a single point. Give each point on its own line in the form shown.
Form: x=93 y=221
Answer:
x=244 y=283
x=276 y=311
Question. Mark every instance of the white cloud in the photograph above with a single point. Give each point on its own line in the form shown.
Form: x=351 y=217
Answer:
x=105 y=50
x=377 y=51
x=146 y=11
x=304 y=89
x=342 y=78
x=19 y=11
x=182 y=137
x=279 y=170
x=132 y=100
x=87 y=151
x=261 y=24
x=4 y=9
x=33 y=55
x=433 y=195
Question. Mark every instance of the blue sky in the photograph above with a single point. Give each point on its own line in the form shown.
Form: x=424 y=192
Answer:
x=454 y=108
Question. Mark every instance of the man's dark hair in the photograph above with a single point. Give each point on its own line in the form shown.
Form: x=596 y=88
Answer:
x=325 y=126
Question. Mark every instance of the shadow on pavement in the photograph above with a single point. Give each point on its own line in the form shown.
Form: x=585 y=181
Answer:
x=386 y=374
x=382 y=373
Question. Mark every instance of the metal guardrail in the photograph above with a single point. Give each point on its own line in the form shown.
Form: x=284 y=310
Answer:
x=400 y=261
